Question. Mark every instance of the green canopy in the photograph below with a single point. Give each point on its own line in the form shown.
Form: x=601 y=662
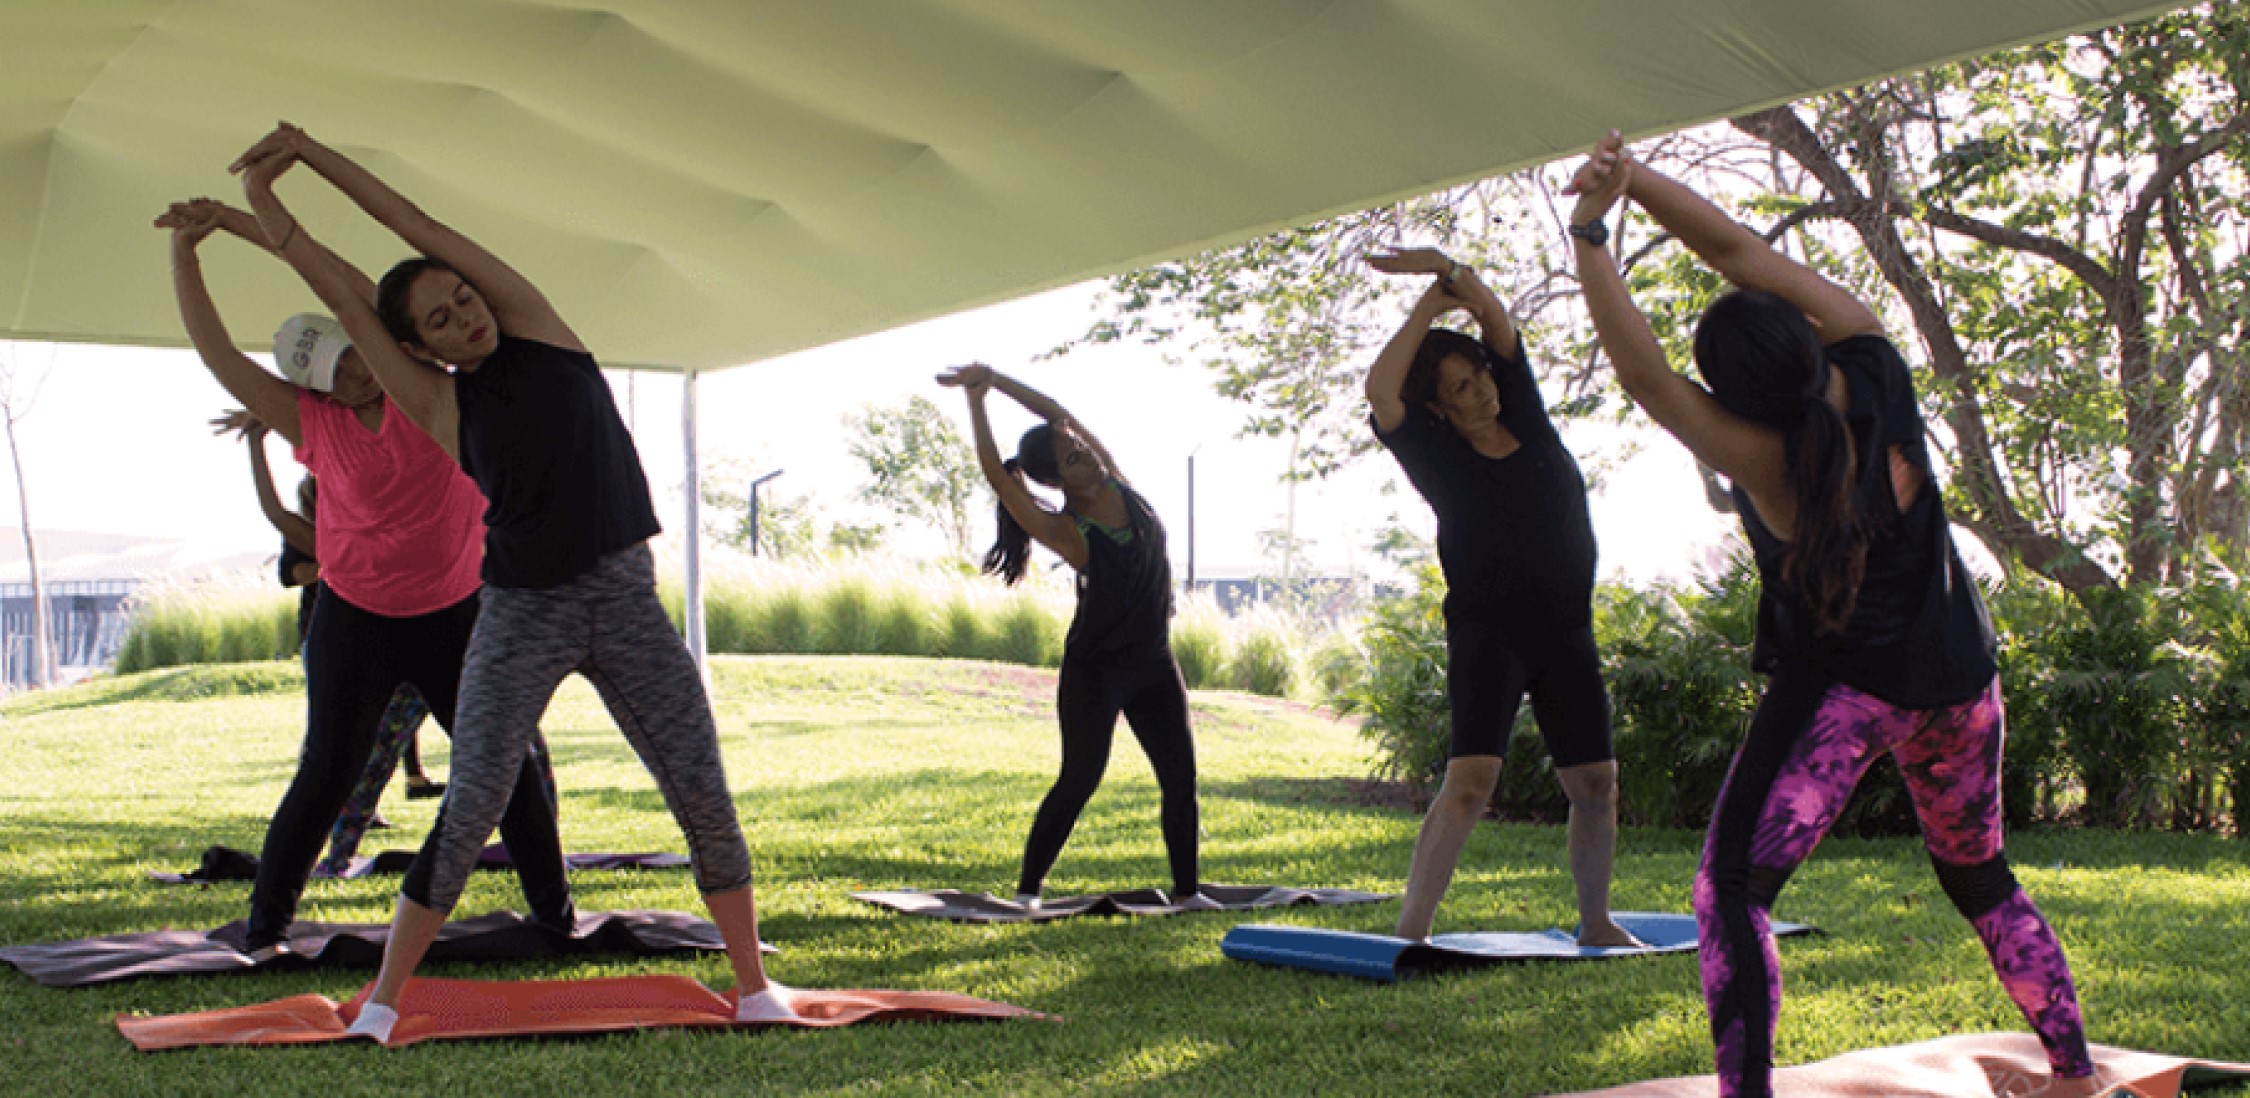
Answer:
x=705 y=184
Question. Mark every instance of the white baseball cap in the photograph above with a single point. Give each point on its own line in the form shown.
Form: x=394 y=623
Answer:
x=306 y=348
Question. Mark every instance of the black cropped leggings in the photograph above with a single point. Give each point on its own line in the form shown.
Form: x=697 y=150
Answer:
x=354 y=661
x=1092 y=693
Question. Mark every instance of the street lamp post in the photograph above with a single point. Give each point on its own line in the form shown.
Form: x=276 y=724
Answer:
x=756 y=484
x=1191 y=519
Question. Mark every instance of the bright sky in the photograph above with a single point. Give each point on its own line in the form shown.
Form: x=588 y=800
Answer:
x=118 y=442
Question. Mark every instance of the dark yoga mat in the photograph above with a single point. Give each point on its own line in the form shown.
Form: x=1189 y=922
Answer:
x=983 y=907
x=1386 y=959
x=499 y=936
x=439 y=1010
x=224 y=863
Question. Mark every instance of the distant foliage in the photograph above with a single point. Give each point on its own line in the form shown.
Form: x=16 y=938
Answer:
x=2129 y=709
x=212 y=623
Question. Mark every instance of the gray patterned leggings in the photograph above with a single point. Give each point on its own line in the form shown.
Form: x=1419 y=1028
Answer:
x=608 y=626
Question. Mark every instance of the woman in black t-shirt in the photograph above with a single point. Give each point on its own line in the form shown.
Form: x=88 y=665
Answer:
x=1117 y=657
x=471 y=352
x=1467 y=423
x=1868 y=623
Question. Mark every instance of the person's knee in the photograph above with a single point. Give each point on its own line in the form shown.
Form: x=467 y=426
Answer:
x=1591 y=787
x=1979 y=888
x=1469 y=784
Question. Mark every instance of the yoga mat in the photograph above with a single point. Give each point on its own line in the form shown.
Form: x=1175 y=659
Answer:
x=1979 y=1065
x=447 y=1010
x=983 y=907
x=499 y=936
x=224 y=863
x=1383 y=958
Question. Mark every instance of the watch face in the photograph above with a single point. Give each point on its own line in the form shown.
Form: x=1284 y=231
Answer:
x=1592 y=232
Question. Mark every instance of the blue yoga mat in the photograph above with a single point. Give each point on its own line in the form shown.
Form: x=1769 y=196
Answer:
x=1383 y=958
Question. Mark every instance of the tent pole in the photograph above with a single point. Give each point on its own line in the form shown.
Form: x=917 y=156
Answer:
x=692 y=608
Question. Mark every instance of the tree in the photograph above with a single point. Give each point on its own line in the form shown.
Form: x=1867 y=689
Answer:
x=20 y=384
x=919 y=467
x=2061 y=224
x=785 y=523
x=2058 y=231
x=1287 y=322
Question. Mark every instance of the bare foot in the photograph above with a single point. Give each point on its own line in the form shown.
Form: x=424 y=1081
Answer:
x=1609 y=935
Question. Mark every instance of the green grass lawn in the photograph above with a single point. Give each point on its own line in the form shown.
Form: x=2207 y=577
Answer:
x=859 y=773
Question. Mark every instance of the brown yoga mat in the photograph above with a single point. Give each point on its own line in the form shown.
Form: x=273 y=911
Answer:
x=983 y=907
x=499 y=936
x=1981 y=1065
x=443 y=1010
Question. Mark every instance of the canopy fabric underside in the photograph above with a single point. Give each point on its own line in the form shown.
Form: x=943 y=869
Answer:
x=705 y=184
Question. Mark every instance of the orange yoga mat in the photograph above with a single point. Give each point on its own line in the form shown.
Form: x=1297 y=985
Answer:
x=1981 y=1065
x=440 y=1010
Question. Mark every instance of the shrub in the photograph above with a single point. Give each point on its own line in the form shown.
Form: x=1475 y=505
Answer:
x=846 y=614
x=961 y=629
x=1263 y=662
x=1400 y=692
x=1199 y=643
x=212 y=622
x=1026 y=633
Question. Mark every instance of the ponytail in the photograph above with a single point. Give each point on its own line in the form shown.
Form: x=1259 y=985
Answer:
x=1764 y=362
x=1011 y=550
x=1827 y=558
x=1034 y=461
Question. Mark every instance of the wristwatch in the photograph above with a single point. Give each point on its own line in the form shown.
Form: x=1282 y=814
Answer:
x=1452 y=275
x=1594 y=232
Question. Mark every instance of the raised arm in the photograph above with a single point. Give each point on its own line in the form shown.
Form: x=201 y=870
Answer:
x=517 y=304
x=1744 y=258
x=1455 y=285
x=1055 y=531
x=1044 y=406
x=1749 y=454
x=244 y=225
x=291 y=525
x=424 y=394
x=271 y=399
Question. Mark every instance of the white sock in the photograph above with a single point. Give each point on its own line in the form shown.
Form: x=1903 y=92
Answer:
x=375 y=1020
x=1027 y=899
x=768 y=1005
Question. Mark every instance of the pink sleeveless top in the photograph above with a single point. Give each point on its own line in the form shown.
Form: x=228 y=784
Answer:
x=400 y=527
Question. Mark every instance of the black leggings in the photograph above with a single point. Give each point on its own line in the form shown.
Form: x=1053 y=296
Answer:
x=1091 y=694
x=354 y=660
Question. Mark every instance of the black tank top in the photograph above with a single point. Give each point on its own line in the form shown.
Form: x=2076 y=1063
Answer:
x=563 y=486
x=1918 y=636
x=1125 y=590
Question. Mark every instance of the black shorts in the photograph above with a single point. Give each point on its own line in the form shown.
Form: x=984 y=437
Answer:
x=1487 y=674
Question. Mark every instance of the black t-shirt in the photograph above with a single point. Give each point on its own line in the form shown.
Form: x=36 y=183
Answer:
x=540 y=434
x=1918 y=636
x=1514 y=537
x=290 y=559
x=1125 y=590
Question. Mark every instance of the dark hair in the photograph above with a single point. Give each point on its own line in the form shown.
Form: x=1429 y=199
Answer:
x=1418 y=390
x=1764 y=362
x=1035 y=458
x=390 y=296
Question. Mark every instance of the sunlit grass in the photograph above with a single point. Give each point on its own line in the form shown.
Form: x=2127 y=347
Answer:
x=881 y=772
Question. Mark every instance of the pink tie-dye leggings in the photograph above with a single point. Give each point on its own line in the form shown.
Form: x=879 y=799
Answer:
x=1808 y=746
